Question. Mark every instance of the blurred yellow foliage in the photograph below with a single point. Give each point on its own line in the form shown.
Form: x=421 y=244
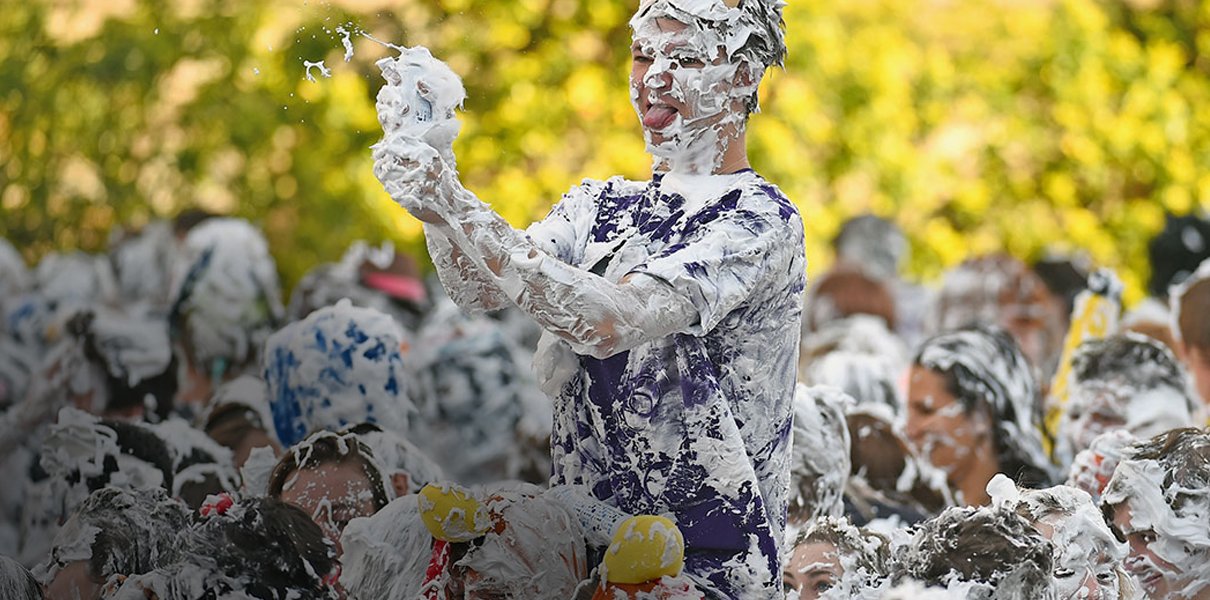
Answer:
x=1037 y=126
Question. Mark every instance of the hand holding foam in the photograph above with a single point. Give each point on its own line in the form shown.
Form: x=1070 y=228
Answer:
x=419 y=100
x=415 y=158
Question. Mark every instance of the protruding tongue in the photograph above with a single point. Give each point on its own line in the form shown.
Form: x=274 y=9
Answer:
x=659 y=117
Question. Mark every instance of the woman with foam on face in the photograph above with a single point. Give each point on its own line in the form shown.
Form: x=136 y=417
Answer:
x=671 y=307
x=972 y=411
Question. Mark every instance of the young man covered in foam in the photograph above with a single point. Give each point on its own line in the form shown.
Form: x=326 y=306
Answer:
x=671 y=307
x=1159 y=504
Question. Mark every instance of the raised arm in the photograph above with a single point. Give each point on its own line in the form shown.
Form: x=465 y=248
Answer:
x=465 y=282
x=594 y=316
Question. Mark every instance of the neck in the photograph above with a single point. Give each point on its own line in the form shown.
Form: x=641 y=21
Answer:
x=729 y=154
x=973 y=483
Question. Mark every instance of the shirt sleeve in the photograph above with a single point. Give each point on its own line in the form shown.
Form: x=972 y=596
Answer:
x=730 y=251
x=564 y=232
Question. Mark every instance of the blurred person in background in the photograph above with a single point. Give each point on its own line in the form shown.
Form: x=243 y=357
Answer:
x=1125 y=381
x=226 y=302
x=1000 y=290
x=1191 y=328
x=973 y=411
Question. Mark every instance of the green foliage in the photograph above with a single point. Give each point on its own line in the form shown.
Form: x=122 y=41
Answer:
x=1030 y=126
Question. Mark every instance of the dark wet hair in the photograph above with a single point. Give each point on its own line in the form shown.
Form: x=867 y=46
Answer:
x=1176 y=252
x=879 y=456
x=123 y=547
x=16 y=582
x=1063 y=278
x=870 y=550
x=189 y=218
x=1133 y=359
x=128 y=532
x=132 y=440
x=987 y=545
x=270 y=549
x=1184 y=455
x=984 y=369
x=326 y=447
x=123 y=396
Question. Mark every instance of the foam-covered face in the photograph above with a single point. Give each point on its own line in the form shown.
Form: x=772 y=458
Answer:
x=333 y=494
x=1097 y=407
x=1168 y=549
x=813 y=569
x=939 y=427
x=1087 y=556
x=685 y=92
x=1151 y=571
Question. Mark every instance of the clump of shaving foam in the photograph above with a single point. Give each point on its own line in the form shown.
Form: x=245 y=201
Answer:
x=419 y=99
x=385 y=555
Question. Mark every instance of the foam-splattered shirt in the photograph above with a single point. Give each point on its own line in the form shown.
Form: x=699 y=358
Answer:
x=697 y=424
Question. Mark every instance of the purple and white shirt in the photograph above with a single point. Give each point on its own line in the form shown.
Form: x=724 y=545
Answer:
x=695 y=425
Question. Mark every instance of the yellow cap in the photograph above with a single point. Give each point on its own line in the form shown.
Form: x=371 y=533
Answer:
x=452 y=514
x=644 y=548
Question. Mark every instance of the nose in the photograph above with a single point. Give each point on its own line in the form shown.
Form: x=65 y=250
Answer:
x=659 y=74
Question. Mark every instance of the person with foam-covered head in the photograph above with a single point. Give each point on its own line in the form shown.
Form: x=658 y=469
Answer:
x=1158 y=502
x=670 y=307
x=341 y=366
x=973 y=411
x=115 y=532
x=226 y=302
x=1125 y=381
x=1190 y=327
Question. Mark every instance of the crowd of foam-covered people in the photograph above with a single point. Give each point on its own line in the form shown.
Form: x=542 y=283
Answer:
x=172 y=427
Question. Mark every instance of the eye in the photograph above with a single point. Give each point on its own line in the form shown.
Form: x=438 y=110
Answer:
x=1064 y=573
x=1107 y=577
x=641 y=58
x=690 y=62
x=823 y=586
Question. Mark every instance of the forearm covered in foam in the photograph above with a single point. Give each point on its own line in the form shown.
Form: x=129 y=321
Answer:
x=592 y=314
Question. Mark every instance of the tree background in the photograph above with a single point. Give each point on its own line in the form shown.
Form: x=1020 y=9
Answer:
x=1031 y=126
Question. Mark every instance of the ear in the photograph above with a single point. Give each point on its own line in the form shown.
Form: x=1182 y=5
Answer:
x=399 y=481
x=744 y=76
